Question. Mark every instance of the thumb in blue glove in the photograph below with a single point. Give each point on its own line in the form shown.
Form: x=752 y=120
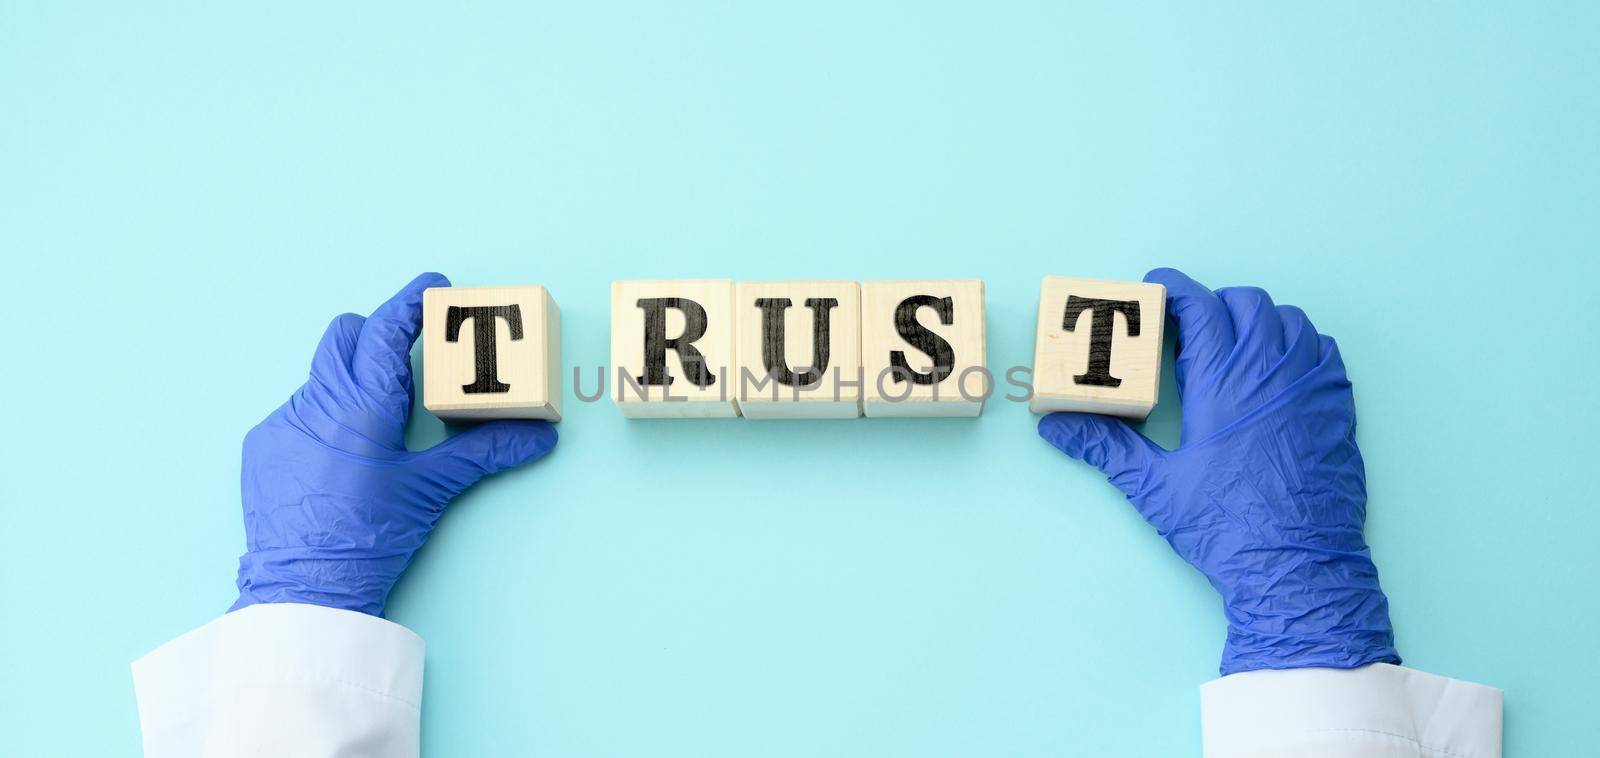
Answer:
x=1266 y=494
x=334 y=504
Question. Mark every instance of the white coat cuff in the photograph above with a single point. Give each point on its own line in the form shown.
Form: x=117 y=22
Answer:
x=1374 y=711
x=268 y=648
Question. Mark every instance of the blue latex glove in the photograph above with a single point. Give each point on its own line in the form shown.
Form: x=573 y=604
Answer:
x=334 y=504
x=1266 y=494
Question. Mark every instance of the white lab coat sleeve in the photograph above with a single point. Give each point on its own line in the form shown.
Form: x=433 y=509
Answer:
x=283 y=679
x=1376 y=711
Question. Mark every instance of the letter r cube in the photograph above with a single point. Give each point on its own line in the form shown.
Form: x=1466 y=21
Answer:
x=491 y=352
x=1098 y=347
x=672 y=348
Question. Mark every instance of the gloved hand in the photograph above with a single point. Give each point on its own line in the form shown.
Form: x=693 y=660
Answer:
x=334 y=504
x=1266 y=494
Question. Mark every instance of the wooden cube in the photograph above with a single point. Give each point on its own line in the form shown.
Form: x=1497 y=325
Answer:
x=672 y=348
x=491 y=352
x=1098 y=348
x=922 y=348
x=799 y=351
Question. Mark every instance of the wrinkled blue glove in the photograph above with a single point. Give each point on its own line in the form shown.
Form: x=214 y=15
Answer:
x=334 y=504
x=1266 y=494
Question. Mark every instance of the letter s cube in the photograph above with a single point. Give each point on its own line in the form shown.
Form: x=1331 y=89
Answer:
x=1098 y=347
x=923 y=348
x=491 y=353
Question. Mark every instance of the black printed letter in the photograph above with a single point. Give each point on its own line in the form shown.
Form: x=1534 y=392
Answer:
x=1103 y=315
x=772 y=352
x=905 y=322
x=656 y=343
x=485 y=367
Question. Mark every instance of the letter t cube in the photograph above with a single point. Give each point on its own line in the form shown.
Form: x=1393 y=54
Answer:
x=491 y=352
x=1098 y=348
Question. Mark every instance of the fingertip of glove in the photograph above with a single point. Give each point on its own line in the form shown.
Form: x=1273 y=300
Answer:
x=1164 y=275
x=428 y=279
x=545 y=430
x=541 y=434
x=498 y=445
x=1056 y=429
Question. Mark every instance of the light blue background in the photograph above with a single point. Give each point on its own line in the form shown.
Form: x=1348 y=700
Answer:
x=189 y=193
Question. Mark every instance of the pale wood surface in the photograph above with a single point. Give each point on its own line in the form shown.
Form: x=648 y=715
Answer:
x=682 y=399
x=531 y=366
x=838 y=394
x=1060 y=355
x=879 y=339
